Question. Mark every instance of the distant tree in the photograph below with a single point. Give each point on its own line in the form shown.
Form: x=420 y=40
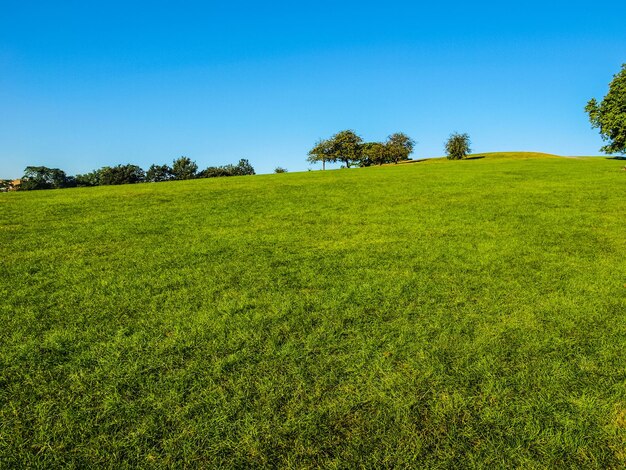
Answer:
x=158 y=173
x=399 y=146
x=279 y=169
x=610 y=115
x=322 y=152
x=214 y=172
x=373 y=153
x=41 y=177
x=88 y=179
x=458 y=146
x=121 y=174
x=184 y=169
x=243 y=168
x=346 y=147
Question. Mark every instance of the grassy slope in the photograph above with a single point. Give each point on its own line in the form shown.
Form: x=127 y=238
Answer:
x=465 y=313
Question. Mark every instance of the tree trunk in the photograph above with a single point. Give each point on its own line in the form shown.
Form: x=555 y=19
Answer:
x=323 y=164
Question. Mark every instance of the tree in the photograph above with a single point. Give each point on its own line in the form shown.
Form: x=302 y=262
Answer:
x=373 y=153
x=41 y=177
x=88 y=179
x=213 y=172
x=184 y=169
x=399 y=146
x=610 y=115
x=322 y=152
x=158 y=173
x=243 y=168
x=280 y=169
x=346 y=147
x=121 y=174
x=458 y=146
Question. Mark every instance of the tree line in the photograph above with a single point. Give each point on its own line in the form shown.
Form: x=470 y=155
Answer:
x=183 y=168
x=348 y=148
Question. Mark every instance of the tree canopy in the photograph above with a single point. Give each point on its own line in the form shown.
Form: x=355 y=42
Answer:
x=348 y=148
x=458 y=146
x=398 y=147
x=41 y=177
x=321 y=152
x=609 y=116
x=184 y=168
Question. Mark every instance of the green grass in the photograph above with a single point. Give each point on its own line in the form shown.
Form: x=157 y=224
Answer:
x=440 y=314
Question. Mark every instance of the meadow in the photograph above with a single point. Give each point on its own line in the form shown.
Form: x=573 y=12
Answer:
x=439 y=314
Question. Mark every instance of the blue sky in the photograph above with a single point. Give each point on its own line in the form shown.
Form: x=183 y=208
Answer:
x=88 y=84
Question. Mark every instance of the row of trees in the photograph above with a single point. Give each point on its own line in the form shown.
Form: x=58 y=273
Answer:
x=183 y=168
x=348 y=148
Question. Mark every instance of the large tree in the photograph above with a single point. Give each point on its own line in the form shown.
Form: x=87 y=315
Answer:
x=458 y=146
x=399 y=146
x=346 y=147
x=609 y=116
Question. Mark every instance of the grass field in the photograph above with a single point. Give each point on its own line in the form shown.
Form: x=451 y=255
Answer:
x=433 y=315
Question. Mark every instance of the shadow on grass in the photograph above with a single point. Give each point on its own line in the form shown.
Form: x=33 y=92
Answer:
x=616 y=158
x=477 y=157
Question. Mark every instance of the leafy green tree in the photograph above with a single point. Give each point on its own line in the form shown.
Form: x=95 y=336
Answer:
x=346 y=147
x=280 y=169
x=458 y=146
x=158 y=173
x=398 y=147
x=41 y=177
x=322 y=152
x=609 y=116
x=121 y=174
x=373 y=153
x=184 y=169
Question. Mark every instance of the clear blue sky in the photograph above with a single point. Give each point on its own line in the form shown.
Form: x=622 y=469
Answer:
x=88 y=83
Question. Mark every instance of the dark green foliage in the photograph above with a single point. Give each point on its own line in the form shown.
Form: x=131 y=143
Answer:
x=121 y=174
x=610 y=115
x=398 y=147
x=158 y=173
x=214 y=172
x=242 y=168
x=184 y=169
x=41 y=177
x=279 y=169
x=458 y=146
x=88 y=179
x=373 y=153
